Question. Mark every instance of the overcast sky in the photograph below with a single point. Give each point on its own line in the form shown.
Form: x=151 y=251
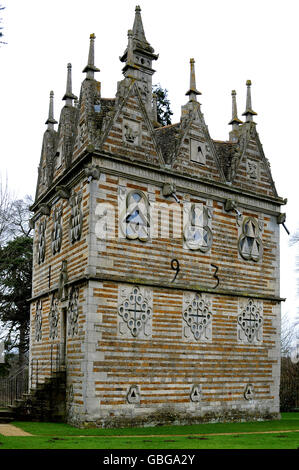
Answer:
x=231 y=41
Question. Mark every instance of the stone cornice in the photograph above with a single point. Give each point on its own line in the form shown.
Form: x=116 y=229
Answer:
x=163 y=285
x=150 y=174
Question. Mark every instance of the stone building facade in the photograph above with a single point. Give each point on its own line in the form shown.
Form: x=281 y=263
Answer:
x=156 y=257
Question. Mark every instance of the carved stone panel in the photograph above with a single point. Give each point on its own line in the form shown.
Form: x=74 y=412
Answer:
x=56 y=235
x=197 y=317
x=135 y=310
x=73 y=312
x=197 y=227
x=41 y=243
x=131 y=132
x=133 y=395
x=249 y=392
x=250 y=243
x=250 y=321
x=53 y=317
x=76 y=218
x=198 y=151
x=252 y=169
x=38 y=320
x=195 y=394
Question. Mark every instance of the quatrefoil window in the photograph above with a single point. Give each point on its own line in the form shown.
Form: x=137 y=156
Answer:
x=250 y=322
x=198 y=317
x=250 y=243
x=135 y=311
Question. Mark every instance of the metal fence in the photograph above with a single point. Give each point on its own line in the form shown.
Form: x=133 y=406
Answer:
x=13 y=387
x=29 y=377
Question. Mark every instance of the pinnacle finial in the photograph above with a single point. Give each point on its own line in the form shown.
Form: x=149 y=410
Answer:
x=235 y=121
x=249 y=112
x=90 y=67
x=192 y=92
x=69 y=97
x=51 y=121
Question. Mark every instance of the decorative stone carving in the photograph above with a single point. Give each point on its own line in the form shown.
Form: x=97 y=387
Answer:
x=249 y=392
x=250 y=244
x=135 y=222
x=56 y=235
x=252 y=169
x=63 y=279
x=41 y=247
x=76 y=218
x=73 y=312
x=63 y=192
x=44 y=209
x=135 y=310
x=197 y=317
x=53 y=317
x=197 y=227
x=195 y=394
x=38 y=320
x=131 y=132
x=133 y=395
x=250 y=322
x=93 y=172
x=198 y=151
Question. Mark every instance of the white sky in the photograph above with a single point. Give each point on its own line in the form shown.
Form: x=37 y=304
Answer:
x=231 y=41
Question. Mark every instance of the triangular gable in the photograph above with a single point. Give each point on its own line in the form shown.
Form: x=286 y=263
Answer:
x=253 y=170
x=195 y=152
x=45 y=169
x=130 y=132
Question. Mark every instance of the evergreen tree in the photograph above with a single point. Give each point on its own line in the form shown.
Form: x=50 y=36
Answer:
x=15 y=290
x=164 y=112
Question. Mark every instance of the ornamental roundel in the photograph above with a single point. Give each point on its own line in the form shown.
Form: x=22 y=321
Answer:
x=250 y=244
x=198 y=317
x=197 y=233
x=250 y=322
x=135 y=311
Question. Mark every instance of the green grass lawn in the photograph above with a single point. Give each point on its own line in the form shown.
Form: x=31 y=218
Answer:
x=63 y=436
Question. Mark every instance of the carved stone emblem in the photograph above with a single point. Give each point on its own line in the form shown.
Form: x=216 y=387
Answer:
x=53 y=318
x=249 y=392
x=38 y=320
x=56 y=235
x=252 y=169
x=135 y=311
x=41 y=247
x=133 y=395
x=131 y=132
x=250 y=244
x=250 y=322
x=73 y=312
x=197 y=317
x=195 y=394
x=198 y=151
x=76 y=217
x=197 y=232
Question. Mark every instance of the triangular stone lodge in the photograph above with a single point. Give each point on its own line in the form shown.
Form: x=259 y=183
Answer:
x=153 y=328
